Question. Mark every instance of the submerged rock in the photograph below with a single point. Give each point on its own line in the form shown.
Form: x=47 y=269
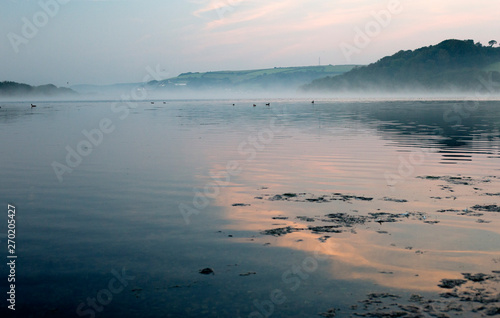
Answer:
x=248 y=274
x=308 y=197
x=487 y=208
x=276 y=198
x=459 y=180
x=447 y=210
x=343 y=197
x=325 y=229
x=207 y=271
x=382 y=295
x=317 y=200
x=280 y=231
x=306 y=219
x=480 y=277
x=382 y=217
x=382 y=314
x=345 y=219
x=482 y=221
x=451 y=283
x=324 y=238
x=416 y=298
x=329 y=314
x=410 y=308
x=431 y=222
x=395 y=200
x=478 y=298
x=241 y=204
x=493 y=311
x=429 y=177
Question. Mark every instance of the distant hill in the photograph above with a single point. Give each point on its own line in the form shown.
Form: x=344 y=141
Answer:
x=453 y=65
x=278 y=77
x=246 y=81
x=13 y=89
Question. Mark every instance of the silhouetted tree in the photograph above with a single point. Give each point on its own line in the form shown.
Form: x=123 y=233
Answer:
x=492 y=42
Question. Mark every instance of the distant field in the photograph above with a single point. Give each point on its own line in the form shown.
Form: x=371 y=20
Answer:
x=246 y=75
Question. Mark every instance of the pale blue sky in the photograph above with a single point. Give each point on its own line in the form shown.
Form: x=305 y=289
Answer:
x=111 y=41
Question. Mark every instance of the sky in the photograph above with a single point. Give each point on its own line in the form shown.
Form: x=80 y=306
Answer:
x=69 y=42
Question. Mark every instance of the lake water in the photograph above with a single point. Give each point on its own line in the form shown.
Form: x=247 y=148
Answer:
x=298 y=208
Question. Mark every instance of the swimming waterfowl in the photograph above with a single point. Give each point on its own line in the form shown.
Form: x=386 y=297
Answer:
x=33 y=105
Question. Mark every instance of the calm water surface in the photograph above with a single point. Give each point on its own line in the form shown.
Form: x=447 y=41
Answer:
x=169 y=189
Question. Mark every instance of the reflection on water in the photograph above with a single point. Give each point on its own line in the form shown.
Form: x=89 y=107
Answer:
x=425 y=164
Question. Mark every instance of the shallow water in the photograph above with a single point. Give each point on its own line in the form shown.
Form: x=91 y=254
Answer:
x=178 y=187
